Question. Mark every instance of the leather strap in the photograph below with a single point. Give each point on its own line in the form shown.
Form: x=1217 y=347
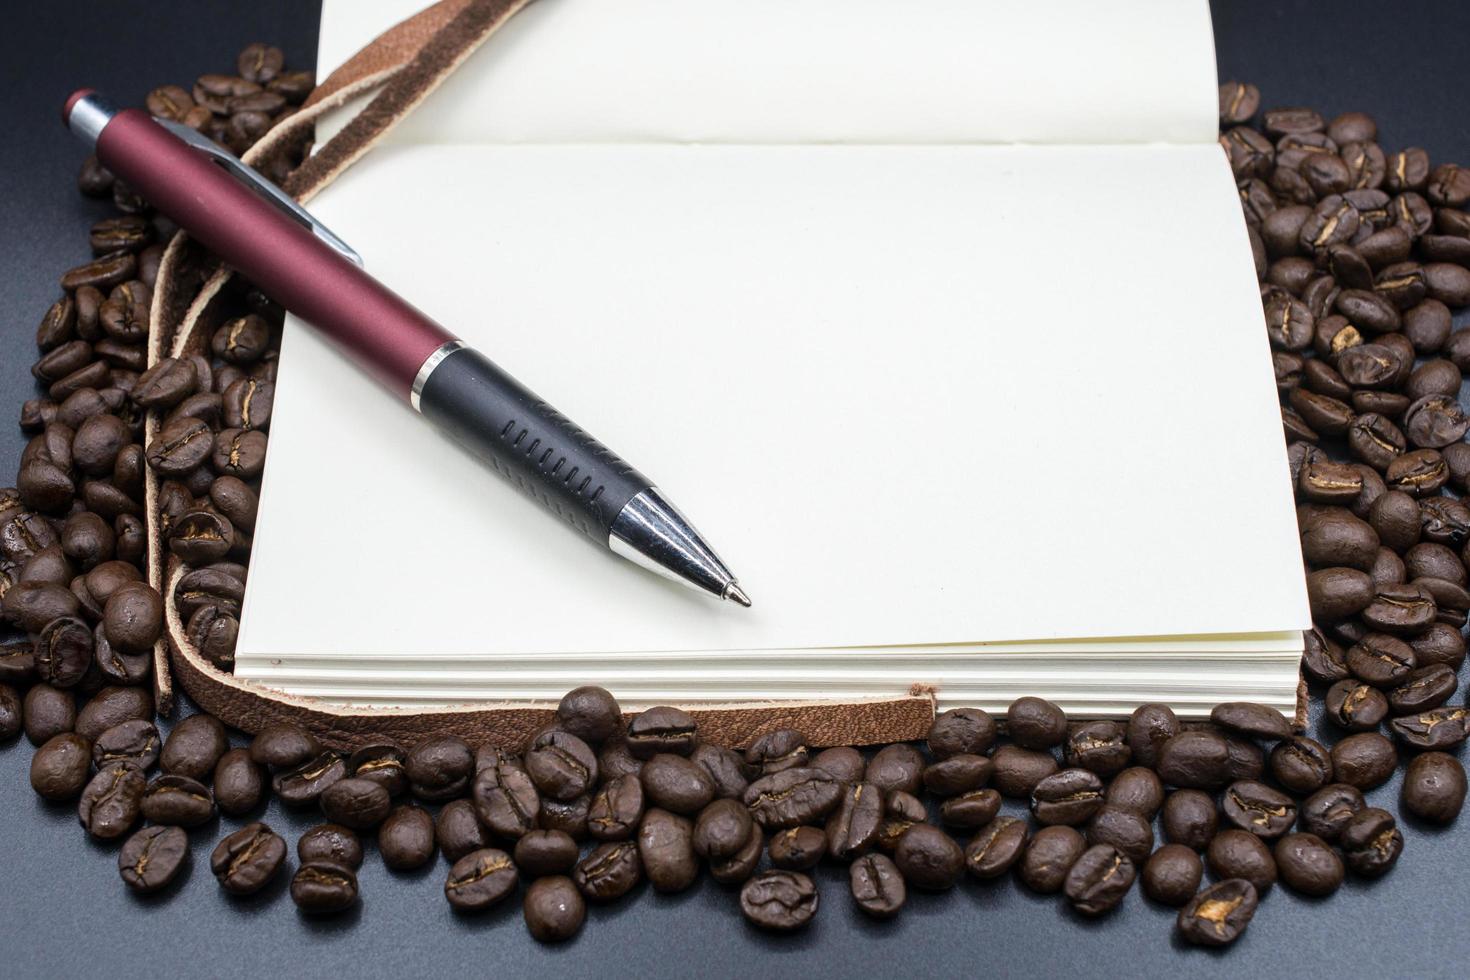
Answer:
x=404 y=64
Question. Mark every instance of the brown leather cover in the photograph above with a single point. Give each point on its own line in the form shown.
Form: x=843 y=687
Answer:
x=408 y=61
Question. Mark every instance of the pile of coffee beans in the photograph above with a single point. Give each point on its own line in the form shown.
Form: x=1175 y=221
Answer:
x=1363 y=257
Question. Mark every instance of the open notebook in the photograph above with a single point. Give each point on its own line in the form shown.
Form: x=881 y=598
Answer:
x=939 y=320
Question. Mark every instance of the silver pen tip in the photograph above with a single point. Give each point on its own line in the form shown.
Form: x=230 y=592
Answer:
x=735 y=592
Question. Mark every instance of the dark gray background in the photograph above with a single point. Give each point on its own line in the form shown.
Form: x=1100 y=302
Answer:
x=63 y=910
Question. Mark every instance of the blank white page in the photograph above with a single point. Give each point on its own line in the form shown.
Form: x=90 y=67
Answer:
x=913 y=394
x=816 y=71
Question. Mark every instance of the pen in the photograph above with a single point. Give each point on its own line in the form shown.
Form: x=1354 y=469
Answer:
x=257 y=229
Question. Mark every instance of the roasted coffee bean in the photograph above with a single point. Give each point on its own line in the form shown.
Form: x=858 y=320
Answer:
x=360 y=804
x=1430 y=560
x=152 y=858
x=1324 y=414
x=1355 y=706
x=59 y=767
x=564 y=767
x=896 y=767
x=1219 y=914
x=897 y=803
x=458 y=831
x=783 y=748
x=30 y=606
x=17 y=663
x=877 y=886
x=1070 y=797
x=284 y=747
x=1149 y=727
x=113 y=706
x=1434 y=787
x=845 y=763
x=590 y=713
x=166 y=383
x=1336 y=537
x=245 y=862
x=1380 y=660
x=1301 y=764
x=616 y=809
x=1097 y=746
x=961 y=730
x=1172 y=874
x=239 y=783
x=929 y=858
x=1258 y=808
x=957 y=774
x=1127 y=831
x=725 y=768
x=1239 y=102
x=797 y=848
x=1438 y=728
x=406 y=834
x=1404 y=610
x=201 y=536
x=63 y=652
x=1428 y=325
x=609 y=871
x=440 y=768
x=1137 y=790
x=1033 y=723
x=1195 y=760
x=112 y=801
x=204 y=587
x=1018 y=770
x=305 y=784
x=1249 y=152
x=672 y=782
x=1445 y=521
x=791 y=797
x=134 y=742
x=116 y=666
x=1246 y=760
x=1337 y=593
x=995 y=848
x=479 y=880
x=323 y=888
x=661 y=729
x=853 y=826
x=570 y=816
x=1099 y=879
x=738 y=867
x=330 y=843
x=1440 y=644
x=133 y=617
x=1423 y=689
x=178 y=800
x=1251 y=720
x=1049 y=856
x=180 y=447
x=1418 y=473
x=546 y=852
x=1364 y=760
x=47 y=712
x=1308 y=864
x=666 y=848
x=506 y=800
x=779 y=901
x=194 y=746
x=1371 y=842
x=381 y=763
x=1241 y=854
x=1435 y=421
x=1328 y=810
x=239 y=452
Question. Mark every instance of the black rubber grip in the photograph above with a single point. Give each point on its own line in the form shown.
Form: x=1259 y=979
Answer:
x=528 y=442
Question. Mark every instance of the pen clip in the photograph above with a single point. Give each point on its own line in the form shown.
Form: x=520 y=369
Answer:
x=257 y=182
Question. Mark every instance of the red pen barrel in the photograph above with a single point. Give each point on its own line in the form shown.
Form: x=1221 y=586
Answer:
x=377 y=328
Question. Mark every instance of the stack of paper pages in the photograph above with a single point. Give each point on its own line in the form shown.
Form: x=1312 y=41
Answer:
x=939 y=320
